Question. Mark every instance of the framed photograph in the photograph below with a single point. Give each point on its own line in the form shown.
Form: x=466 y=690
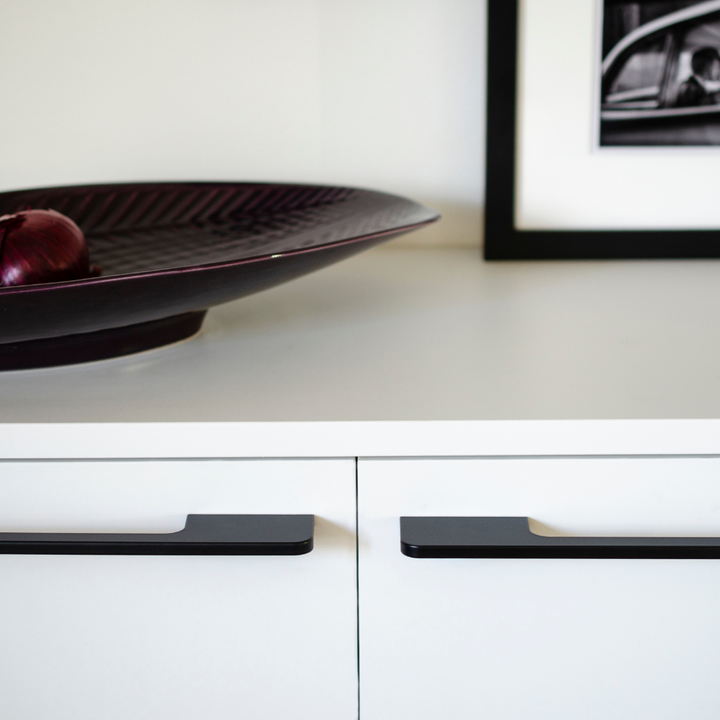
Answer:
x=603 y=136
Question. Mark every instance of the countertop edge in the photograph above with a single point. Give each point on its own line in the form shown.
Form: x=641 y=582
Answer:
x=489 y=438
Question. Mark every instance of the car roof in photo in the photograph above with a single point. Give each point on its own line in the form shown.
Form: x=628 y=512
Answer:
x=696 y=11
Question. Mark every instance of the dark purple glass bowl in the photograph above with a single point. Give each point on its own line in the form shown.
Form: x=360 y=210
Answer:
x=169 y=251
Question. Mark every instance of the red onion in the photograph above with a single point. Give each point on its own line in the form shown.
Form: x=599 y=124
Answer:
x=41 y=246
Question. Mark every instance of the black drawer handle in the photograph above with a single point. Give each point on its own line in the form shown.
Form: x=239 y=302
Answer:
x=511 y=537
x=202 y=535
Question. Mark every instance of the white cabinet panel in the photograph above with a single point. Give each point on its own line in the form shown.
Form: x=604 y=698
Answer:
x=545 y=638
x=177 y=638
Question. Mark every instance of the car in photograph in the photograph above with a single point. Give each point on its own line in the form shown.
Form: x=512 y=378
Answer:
x=661 y=82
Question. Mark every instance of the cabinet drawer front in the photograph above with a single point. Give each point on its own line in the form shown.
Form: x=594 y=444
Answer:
x=537 y=637
x=181 y=637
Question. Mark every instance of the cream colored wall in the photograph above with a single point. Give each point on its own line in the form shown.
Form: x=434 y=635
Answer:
x=386 y=94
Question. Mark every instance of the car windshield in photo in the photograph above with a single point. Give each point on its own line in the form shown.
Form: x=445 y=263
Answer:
x=660 y=73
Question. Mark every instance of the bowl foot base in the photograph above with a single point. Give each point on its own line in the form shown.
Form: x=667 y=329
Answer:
x=100 y=345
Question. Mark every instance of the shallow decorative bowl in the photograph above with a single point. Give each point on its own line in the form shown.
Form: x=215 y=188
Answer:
x=169 y=251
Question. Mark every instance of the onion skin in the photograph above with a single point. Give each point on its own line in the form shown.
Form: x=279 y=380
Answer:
x=42 y=246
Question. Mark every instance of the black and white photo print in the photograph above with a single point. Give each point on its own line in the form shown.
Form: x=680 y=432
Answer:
x=660 y=73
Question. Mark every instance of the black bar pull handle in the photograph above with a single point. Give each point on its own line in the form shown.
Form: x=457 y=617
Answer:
x=511 y=537
x=202 y=535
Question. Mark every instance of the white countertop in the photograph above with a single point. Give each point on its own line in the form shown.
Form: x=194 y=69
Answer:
x=403 y=333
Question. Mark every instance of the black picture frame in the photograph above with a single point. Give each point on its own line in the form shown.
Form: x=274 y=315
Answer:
x=503 y=241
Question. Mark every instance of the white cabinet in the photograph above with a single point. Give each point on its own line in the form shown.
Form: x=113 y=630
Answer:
x=181 y=638
x=546 y=638
x=270 y=637
x=422 y=353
